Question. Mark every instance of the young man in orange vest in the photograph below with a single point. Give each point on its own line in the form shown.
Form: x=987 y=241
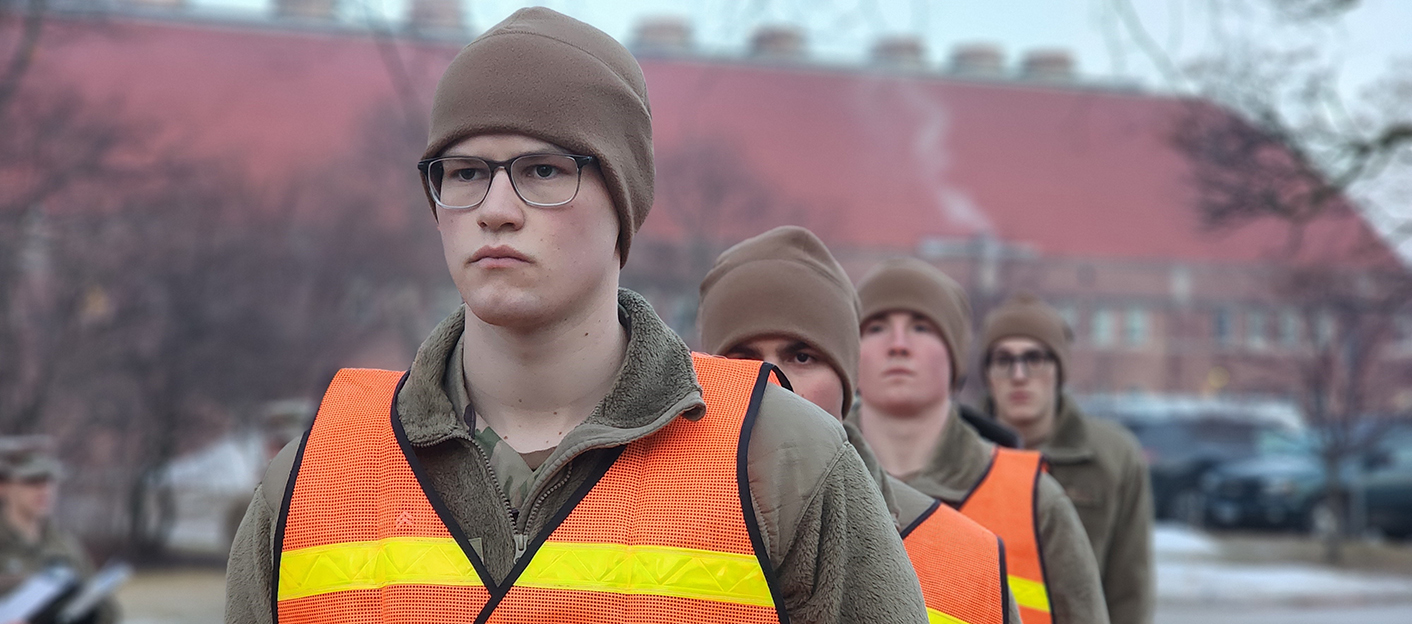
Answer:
x=915 y=331
x=1099 y=463
x=781 y=297
x=555 y=453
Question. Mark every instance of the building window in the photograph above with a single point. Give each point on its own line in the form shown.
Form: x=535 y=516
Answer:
x=1324 y=328
x=1135 y=327
x=1221 y=328
x=1290 y=326
x=1103 y=330
x=1255 y=330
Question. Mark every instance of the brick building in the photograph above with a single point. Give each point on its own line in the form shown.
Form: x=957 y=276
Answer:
x=1030 y=179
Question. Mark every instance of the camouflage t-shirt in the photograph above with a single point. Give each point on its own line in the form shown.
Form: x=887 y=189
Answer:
x=514 y=471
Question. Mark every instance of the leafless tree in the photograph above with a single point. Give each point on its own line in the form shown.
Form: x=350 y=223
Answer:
x=1271 y=138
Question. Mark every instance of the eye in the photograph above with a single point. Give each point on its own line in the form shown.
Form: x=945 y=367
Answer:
x=873 y=328
x=922 y=328
x=804 y=358
x=466 y=174
x=544 y=171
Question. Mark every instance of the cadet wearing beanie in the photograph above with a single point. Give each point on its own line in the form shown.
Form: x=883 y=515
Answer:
x=597 y=442
x=1099 y=463
x=782 y=298
x=915 y=332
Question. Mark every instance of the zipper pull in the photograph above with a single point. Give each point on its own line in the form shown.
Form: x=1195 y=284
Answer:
x=521 y=545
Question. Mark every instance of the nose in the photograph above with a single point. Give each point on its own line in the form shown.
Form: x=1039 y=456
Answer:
x=502 y=208
x=898 y=342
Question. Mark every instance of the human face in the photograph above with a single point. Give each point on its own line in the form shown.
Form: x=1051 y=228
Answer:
x=809 y=374
x=904 y=366
x=524 y=267
x=1024 y=395
x=31 y=498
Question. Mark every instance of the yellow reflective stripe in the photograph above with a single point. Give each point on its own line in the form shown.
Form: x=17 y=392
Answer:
x=937 y=617
x=1029 y=594
x=652 y=570
x=616 y=568
x=375 y=564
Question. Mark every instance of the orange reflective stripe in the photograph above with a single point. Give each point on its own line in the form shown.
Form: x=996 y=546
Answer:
x=665 y=535
x=1004 y=502
x=958 y=564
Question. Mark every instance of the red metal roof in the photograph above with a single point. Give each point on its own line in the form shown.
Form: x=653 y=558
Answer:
x=875 y=159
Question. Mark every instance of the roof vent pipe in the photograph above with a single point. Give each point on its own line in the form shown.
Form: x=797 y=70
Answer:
x=777 y=43
x=900 y=52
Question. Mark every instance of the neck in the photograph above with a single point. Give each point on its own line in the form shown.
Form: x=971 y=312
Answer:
x=533 y=387
x=28 y=526
x=904 y=444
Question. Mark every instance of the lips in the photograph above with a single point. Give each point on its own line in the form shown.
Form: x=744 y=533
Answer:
x=1019 y=397
x=497 y=255
x=898 y=371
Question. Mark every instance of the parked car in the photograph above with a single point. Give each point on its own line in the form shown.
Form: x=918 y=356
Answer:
x=1185 y=437
x=1285 y=487
x=1181 y=452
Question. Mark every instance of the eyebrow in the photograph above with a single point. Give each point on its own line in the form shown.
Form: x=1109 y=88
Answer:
x=542 y=148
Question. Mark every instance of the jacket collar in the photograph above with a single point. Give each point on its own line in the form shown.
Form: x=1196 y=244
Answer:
x=959 y=461
x=655 y=383
x=1070 y=442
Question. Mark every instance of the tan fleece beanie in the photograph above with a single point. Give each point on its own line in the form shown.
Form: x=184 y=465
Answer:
x=915 y=286
x=1026 y=316
x=545 y=75
x=783 y=283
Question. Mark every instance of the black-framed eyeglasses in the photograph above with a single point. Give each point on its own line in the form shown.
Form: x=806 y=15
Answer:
x=544 y=180
x=1032 y=361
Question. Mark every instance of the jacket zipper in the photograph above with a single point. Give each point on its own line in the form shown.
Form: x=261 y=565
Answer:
x=558 y=483
x=521 y=542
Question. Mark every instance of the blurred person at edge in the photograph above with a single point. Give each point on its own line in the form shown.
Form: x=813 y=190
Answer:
x=554 y=429
x=1099 y=463
x=30 y=542
x=781 y=297
x=915 y=333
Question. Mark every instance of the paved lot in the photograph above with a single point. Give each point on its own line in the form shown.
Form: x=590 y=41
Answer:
x=1196 y=614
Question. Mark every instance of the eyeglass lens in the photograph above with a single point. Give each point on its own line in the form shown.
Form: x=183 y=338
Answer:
x=539 y=179
x=1034 y=361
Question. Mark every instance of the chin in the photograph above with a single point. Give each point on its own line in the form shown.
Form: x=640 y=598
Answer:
x=503 y=306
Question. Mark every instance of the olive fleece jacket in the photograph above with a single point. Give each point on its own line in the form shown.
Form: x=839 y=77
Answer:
x=904 y=502
x=1101 y=467
x=826 y=528
x=957 y=465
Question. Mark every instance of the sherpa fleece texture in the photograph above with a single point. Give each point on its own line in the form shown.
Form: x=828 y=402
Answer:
x=1101 y=468
x=545 y=75
x=957 y=465
x=828 y=533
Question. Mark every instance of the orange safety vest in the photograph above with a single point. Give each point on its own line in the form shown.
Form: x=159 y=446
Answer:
x=1004 y=502
x=664 y=531
x=961 y=566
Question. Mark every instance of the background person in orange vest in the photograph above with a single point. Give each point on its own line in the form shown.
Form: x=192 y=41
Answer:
x=1099 y=463
x=781 y=297
x=915 y=332
x=553 y=429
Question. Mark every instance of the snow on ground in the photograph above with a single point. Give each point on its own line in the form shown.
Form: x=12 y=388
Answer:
x=1175 y=541
x=1189 y=569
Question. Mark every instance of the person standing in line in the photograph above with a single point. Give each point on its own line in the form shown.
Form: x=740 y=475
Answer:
x=1099 y=463
x=915 y=334
x=556 y=453
x=781 y=297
